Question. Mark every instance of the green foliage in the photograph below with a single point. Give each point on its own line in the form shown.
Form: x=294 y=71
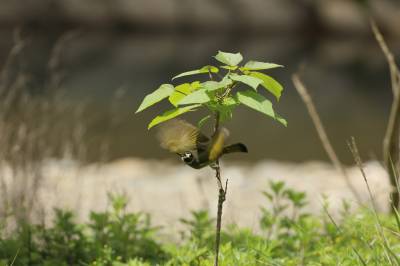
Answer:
x=199 y=96
x=256 y=102
x=248 y=80
x=181 y=91
x=109 y=237
x=171 y=114
x=200 y=227
x=205 y=69
x=223 y=95
x=269 y=84
x=255 y=65
x=158 y=95
x=288 y=236
x=229 y=59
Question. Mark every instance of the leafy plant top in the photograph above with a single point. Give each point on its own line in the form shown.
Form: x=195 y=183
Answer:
x=222 y=92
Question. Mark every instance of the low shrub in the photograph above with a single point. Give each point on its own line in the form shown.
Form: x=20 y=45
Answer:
x=288 y=236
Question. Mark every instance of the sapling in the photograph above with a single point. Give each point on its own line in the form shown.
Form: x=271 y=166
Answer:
x=220 y=95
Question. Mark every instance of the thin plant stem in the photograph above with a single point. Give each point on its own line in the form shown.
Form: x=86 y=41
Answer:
x=356 y=155
x=221 y=197
x=391 y=139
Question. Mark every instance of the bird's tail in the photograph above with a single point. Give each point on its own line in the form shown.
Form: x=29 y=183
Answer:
x=237 y=147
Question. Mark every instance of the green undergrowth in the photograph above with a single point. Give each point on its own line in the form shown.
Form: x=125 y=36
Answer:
x=287 y=236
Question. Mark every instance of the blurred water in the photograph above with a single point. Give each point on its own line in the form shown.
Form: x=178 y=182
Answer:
x=346 y=76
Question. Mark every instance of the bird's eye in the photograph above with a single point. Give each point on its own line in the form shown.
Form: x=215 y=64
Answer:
x=187 y=157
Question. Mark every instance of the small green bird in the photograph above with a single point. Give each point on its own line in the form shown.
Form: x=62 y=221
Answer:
x=194 y=148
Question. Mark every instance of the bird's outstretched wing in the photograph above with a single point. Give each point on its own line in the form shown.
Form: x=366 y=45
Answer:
x=179 y=136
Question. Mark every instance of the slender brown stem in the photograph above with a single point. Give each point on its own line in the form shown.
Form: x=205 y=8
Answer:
x=221 y=197
x=391 y=139
x=305 y=96
x=216 y=125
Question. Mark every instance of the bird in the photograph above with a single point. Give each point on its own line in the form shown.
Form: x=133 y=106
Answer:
x=195 y=148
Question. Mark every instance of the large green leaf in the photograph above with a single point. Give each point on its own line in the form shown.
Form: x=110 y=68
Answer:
x=248 y=80
x=229 y=59
x=180 y=92
x=205 y=69
x=171 y=114
x=216 y=85
x=256 y=65
x=259 y=103
x=269 y=83
x=195 y=85
x=161 y=93
x=256 y=102
x=199 y=96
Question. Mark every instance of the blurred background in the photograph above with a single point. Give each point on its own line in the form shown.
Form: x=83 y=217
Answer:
x=74 y=72
x=109 y=54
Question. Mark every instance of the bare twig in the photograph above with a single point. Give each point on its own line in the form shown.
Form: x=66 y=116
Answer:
x=391 y=139
x=394 y=70
x=305 y=96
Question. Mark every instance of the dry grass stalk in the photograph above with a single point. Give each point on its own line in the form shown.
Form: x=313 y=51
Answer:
x=379 y=227
x=305 y=96
x=30 y=134
x=357 y=158
x=391 y=139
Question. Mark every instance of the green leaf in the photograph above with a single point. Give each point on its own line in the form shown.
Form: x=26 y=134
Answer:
x=216 y=85
x=256 y=102
x=256 y=65
x=269 y=83
x=180 y=92
x=248 y=80
x=229 y=101
x=161 y=93
x=195 y=85
x=259 y=103
x=171 y=114
x=225 y=111
x=229 y=59
x=205 y=69
x=232 y=68
x=281 y=120
x=201 y=123
x=199 y=96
